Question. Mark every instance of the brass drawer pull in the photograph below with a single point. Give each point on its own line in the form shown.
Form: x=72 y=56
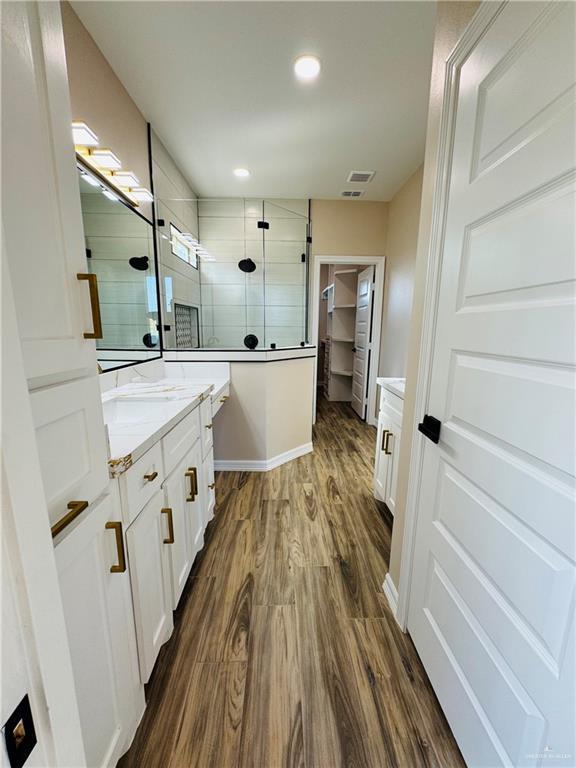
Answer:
x=75 y=507
x=117 y=528
x=384 y=433
x=150 y=477
x=208 y=426
x=386 y=451
x=224 y=398
x=168 y=511
x=95 y=305
x=211 y=486
x=193 y=475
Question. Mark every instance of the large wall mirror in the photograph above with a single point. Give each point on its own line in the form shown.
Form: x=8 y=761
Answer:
x=120 y=252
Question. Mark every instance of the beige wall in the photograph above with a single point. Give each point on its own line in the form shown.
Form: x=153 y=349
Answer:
x=269 y=411
x=401 y=243
x=99 y=99
x=348 y=228
x=451 y=21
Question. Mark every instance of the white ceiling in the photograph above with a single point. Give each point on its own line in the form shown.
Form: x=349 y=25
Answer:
x=215 y=80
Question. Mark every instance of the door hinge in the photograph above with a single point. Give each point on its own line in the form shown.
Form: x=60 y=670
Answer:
x=263 y=225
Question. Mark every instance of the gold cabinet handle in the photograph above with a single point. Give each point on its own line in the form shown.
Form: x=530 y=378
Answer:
x=151 y=476
x=384 y=433
x=386 y=451
x=75 y=507
x=211 y=485
x=95 y=305
x=117 y=528
x=208 y=426
x=193 y=475
x=168 y=511
x=224 y=398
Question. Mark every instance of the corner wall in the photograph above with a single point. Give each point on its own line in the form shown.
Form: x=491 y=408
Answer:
x=401 y=245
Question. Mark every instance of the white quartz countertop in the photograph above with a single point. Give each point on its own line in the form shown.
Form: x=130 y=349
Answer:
x=396 y=386
x=138 y=415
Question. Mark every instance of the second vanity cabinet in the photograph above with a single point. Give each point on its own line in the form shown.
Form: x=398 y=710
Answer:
x=388 y=447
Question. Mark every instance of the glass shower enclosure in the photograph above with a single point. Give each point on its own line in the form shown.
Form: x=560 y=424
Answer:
x=253 y=268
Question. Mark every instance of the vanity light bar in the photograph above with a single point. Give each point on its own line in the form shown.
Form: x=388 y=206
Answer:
x=125 y=179
x=104 y=158
x=83 y=136
x=141 y=194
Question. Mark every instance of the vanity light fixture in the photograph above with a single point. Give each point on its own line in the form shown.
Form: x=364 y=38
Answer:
x=90 y=180
x=307 y=68
x=125 y=179
x=104 y=158
x=141 y=194
x=83 y=136
x=241 y=173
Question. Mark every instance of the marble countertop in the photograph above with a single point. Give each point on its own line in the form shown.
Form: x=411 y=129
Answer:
x=396 y=386
x=138 y=415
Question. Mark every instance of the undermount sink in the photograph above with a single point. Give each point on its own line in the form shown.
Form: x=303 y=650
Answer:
x=131 y=410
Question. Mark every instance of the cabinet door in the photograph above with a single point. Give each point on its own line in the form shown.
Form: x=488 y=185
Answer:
x=197 y=508
x=71 y=443
x=381 y=462
x=100 y=625
x=393 y=445
x=150 y=578
x=206 y=430
x=178 y=540
x=209 y=495
x=45 y=251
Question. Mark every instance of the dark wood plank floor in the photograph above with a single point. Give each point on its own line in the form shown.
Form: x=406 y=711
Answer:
x=284 y=651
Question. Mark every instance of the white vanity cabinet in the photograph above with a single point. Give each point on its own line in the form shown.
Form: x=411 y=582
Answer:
x=97 y=600
x=183 y=510
x=147 y=540
x=388 y=445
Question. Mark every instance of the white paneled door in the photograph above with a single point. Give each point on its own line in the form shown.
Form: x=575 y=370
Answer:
x=492 y=600
x=362 y=334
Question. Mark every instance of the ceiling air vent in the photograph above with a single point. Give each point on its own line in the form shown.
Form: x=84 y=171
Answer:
x=361 y=177
x=352 y=193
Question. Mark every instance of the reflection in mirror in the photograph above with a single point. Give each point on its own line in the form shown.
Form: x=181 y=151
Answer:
x=120 y=252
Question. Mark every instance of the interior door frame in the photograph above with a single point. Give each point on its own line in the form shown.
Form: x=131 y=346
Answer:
x=480 y=22
x=378 y=262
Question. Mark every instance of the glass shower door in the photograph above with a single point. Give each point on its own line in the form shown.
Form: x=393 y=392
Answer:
x=285 y=272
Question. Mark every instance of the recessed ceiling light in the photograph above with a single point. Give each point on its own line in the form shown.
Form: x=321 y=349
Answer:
x=307 y=67
x=241 y=173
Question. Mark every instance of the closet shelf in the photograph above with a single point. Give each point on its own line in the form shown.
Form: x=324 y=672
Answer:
x=341 y=373
x=347 y=341
x=344 y=306
x=345 y=271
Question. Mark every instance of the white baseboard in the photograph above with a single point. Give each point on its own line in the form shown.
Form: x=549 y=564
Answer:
x=265 y=465
x=391 y=594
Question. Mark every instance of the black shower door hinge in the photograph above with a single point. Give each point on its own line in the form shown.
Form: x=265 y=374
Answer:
x=263 y=225
x=308 y=239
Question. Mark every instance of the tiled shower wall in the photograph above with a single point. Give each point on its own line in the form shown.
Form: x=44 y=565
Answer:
x=269 y=302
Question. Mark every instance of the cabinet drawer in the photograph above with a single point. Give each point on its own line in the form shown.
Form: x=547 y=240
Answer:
x=71 y=443
x=206 y=426
x=220 y=400
x=180 y=439
x=393 y=402
x=139 y=483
